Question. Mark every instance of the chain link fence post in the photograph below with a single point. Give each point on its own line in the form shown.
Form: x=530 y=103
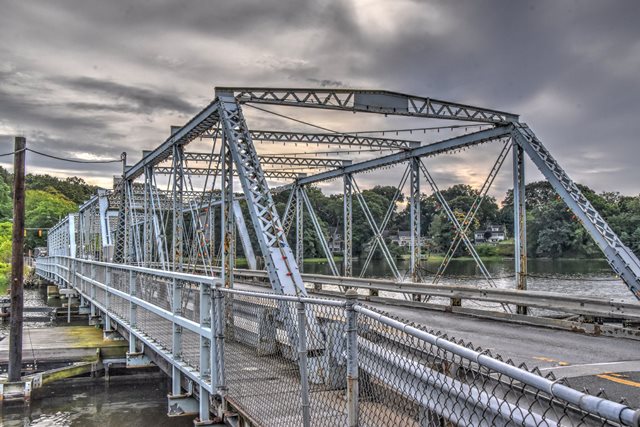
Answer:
x=219 y=343
x=352 y=358
x=302 y=362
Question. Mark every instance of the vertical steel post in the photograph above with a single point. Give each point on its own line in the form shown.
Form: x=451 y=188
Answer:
x=226 y=220
x=17 y=261
x=299 y=229
x=519 y=221
x=147 y=222
x=214 y=363
x=302 y=363
x=178 y=215
x=133 y=312
x=347 y=221
x=176 y=343
x=205 y=352
x=352 y=358
x=107 y=299
x=220 y=337
x=92 y=290
x=414 y=202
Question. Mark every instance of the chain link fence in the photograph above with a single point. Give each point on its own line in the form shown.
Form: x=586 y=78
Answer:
x=290 y=361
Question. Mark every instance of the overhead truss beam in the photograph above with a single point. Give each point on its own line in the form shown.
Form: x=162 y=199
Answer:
x=326 y=139
x=275 y=160
x=274 y=174
x=424 y=151
x=370 y=101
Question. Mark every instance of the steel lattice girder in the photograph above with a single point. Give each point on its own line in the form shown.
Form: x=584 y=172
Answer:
x=424 y=151
x=276 y=160
x=275 y=174
x=371 y=101
x=203 y=121
x=279 y=258
x=326 y=138
x=621 y=258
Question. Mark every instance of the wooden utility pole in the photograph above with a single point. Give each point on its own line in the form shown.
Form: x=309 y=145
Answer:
x=17 y=262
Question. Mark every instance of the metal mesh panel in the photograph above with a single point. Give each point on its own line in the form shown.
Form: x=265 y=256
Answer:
x=405 y=380
x=260 y=360
x=119 y=281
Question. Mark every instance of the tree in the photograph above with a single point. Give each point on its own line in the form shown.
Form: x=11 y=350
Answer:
x=43 y=209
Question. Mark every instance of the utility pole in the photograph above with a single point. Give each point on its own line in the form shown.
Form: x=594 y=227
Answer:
x=17 y=262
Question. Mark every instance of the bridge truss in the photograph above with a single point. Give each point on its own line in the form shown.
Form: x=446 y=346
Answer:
x=168 y=211
x=176 y=226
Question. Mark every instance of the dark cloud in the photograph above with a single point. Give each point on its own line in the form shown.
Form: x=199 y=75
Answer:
x=102 y=77
x=139 y=99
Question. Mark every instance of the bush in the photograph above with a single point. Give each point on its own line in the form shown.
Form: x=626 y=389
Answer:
x=486 y=250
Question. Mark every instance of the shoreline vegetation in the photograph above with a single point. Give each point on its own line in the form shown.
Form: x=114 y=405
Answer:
x=553 y=232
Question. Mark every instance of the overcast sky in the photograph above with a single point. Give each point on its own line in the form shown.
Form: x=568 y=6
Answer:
x=90 y=79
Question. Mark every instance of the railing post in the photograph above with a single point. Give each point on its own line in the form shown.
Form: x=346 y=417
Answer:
x=92 y=291
x=107 y=299
x=133 y=312
x=219 y=343
x=176 y=344
x=352 y=358
x=302 y=362
x=205 y=351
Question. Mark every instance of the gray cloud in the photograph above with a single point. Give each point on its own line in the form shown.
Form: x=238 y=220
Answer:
x=103 y=77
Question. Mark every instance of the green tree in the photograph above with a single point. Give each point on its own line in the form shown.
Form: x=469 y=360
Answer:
x=43 y=209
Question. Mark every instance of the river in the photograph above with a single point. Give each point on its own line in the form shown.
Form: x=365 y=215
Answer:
x=583 y=277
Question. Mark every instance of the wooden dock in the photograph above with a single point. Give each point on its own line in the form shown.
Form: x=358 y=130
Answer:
x=64 y=344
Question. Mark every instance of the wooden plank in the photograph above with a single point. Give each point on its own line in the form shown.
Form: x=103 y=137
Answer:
x=59 y=344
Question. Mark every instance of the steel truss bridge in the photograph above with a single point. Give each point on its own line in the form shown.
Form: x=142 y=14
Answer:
x=146 y=260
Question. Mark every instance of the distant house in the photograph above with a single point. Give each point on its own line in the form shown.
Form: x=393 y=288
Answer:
x=403 y=238
x=335 y=241
x=490 y=234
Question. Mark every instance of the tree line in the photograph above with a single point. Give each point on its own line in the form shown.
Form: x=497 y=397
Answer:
x=47 y=200
x=552 y=229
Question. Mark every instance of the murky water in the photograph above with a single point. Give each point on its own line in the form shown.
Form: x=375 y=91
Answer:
x=97 y=405
x=85 y=403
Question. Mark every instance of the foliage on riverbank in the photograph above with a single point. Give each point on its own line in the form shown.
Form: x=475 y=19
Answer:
x=47 y=200
x=552 y=229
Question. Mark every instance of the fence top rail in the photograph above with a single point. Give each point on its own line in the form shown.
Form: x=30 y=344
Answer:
x=212 y=281
x=308 y=300
x=543 y=299
x=592 y=404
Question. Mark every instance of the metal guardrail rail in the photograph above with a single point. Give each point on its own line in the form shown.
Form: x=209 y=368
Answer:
x=552 y=301
x=286 y=360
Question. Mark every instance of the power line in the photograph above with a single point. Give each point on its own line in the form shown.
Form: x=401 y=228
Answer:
x=74 y=160
x=382 y=131
x=293 y=119
x=40 y=153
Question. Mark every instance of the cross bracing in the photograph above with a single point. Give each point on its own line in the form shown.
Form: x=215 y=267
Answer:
x=235 y=157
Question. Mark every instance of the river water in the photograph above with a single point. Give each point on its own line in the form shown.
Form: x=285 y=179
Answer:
x=579 y=277
x=145 y=404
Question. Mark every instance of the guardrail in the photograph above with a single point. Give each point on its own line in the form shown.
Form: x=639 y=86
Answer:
x=287 y=360
x=552 y=301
